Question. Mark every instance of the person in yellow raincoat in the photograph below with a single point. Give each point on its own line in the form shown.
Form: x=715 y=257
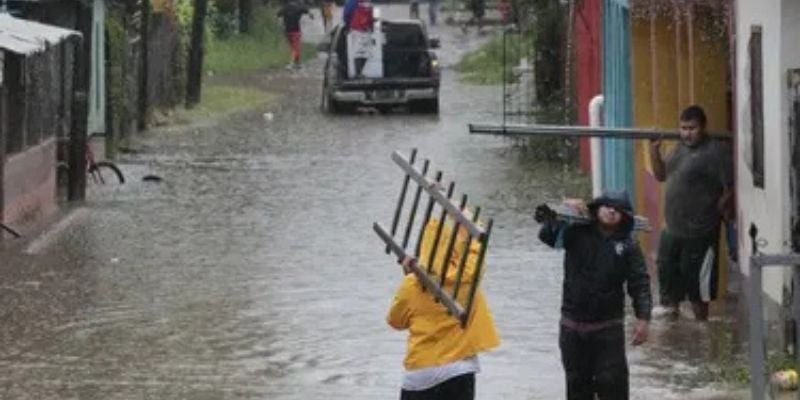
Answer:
x=442 y=357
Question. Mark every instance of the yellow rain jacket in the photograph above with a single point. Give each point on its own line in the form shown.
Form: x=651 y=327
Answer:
x=435 y=337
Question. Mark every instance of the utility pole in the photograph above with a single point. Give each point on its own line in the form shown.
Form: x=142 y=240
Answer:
x=3 y=130
x=195 y=79
x=76 y=189
x=245 y=10
x=144 y=97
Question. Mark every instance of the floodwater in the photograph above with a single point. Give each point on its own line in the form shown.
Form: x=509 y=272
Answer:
x=252 y=271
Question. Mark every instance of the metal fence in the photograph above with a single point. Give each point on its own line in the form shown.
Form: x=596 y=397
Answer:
x=758 y=353
x=519 y=83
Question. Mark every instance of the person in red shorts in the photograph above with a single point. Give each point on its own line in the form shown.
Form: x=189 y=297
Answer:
x=291 y=12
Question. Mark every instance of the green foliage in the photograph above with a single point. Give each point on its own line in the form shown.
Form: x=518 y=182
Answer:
x=485 y=66
x=264 y=47
x=224 y=21
x=115 y=44
x=220 y=99
x=184 y=11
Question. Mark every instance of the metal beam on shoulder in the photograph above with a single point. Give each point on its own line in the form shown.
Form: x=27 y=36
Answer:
x=583 y=131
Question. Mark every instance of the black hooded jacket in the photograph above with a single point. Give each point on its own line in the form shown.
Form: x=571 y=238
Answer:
x=597 y=267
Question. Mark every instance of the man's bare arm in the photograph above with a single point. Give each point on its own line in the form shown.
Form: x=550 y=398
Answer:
x=656 y=161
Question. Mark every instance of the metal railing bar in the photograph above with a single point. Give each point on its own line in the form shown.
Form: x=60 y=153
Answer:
x=434 y=190
x=476 y=280
x=451 y=243
x=402 y=199
x=412 y=215
x=439 y=229
x=428 y=211
x=464 y=256
x=452 y=306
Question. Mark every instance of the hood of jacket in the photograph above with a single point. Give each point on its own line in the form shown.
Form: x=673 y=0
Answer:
x=620 y=200
x=458 y=249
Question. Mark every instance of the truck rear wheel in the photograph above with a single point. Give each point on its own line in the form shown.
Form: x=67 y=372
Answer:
x=331 y=106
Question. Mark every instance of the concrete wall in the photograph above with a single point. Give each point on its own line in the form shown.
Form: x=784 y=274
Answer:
x=30 y=183
x=767 y=208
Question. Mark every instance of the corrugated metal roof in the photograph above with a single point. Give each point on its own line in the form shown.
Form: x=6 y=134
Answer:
x=26 y=37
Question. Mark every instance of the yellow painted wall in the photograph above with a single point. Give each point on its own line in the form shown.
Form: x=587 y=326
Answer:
x=675 y=62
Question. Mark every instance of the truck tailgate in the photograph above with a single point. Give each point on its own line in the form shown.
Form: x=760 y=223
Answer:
x=387 y=83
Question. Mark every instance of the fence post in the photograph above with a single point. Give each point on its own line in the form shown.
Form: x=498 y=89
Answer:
x=77 y=151
x=194 y=81
x=144 y=84
x=3 y=130
x=757 y=346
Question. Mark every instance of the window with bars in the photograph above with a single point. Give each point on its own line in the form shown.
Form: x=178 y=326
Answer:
x=757 y=105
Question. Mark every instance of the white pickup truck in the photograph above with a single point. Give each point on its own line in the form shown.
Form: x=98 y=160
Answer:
x=401 y=69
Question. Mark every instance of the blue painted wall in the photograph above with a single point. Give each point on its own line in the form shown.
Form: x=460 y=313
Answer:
x=618 y=111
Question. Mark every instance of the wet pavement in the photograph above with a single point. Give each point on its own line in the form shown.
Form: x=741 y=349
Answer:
x=252 y=272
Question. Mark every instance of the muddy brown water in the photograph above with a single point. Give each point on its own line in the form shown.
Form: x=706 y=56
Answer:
x=252 y=272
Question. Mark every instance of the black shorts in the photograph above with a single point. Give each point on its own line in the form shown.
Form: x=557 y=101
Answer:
x=461 y=387
x=688 y=268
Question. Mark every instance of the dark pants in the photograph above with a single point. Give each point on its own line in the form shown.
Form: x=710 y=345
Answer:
x=594 y=363
x=680 y=263
x=461 y=387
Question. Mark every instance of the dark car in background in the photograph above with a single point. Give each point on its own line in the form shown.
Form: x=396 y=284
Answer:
x=410 y=71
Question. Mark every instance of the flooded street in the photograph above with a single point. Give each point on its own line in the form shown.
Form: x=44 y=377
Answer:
x=252 y=271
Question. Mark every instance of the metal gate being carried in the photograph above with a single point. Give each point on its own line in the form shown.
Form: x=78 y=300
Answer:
x=445 y=224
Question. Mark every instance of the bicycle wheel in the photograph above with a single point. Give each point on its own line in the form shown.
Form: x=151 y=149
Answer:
x=100 y=172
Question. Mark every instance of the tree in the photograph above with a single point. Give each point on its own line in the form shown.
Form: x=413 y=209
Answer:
x=245 y=11
x=549 y=46
x=194 y=80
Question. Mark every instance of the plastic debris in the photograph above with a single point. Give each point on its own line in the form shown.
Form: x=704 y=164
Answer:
x=785 y=379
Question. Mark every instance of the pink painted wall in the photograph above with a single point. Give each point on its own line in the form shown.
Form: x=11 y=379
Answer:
x=30 y=182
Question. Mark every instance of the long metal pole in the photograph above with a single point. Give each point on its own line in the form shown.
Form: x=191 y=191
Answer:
x=583 y=131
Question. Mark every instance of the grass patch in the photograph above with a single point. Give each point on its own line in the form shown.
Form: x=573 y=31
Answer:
x=734 y=370
x=485 y=65
x=221 y=99
x=265 y=47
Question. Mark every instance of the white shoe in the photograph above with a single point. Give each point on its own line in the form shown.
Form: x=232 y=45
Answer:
x=666 y=312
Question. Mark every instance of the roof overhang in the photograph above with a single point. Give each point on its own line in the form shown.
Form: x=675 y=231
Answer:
x=26 y=37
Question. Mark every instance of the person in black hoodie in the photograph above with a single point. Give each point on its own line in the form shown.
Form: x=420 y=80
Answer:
x=601 y=260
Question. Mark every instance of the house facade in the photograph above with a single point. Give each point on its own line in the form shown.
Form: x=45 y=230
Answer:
x=36 y=92
x=766 y=115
